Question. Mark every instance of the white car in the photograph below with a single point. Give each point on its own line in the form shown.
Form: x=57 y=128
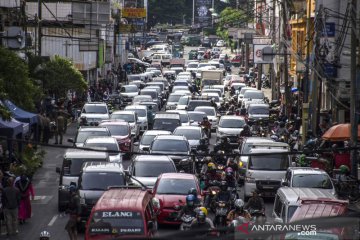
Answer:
x=192 y=66
x=231 y=127
x=142 y=113
x=220 y=43
x=211 y=114
x=131 y=118
x=184 y=117
x=135 y=60
x=109 y=143
x=95 y=112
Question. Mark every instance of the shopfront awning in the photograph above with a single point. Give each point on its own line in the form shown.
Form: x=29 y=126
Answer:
x=20 y=114
x=10 y=128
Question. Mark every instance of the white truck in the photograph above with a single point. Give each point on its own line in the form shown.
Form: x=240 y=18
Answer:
x=211 y=77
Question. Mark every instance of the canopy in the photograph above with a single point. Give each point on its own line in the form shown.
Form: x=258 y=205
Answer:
x=339 y=132
x=10 y=128
x=20 y=114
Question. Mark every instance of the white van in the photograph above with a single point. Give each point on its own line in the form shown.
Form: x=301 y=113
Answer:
x=163 y=58
x=265 y=172
x=287 y=200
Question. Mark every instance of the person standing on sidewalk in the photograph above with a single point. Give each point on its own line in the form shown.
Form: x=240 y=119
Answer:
x=60 y=128
x=11 y=200
x=74 y=210
x=26 y=189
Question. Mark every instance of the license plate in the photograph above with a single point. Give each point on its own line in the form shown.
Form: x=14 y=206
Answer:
x=264 y=187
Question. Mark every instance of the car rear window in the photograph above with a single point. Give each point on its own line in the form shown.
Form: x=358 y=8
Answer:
x=170 y=145
x=196 y=103
x=166 y=124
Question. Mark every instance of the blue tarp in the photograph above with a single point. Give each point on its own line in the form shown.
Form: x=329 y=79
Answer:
x=20 y=114
x=10 y=128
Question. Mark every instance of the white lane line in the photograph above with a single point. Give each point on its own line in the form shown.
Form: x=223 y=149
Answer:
x=59 y=155
x=52 y=221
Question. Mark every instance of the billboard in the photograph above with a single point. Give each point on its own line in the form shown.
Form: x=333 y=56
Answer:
x=133 y=12
x=259 y=57
x=202 y=13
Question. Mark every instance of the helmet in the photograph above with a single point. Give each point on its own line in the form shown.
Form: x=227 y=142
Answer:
x=223 y=185
x=276 y=123
x=201 y=217
x=190 y=199
x=239 y=204
x=193 y=192
x=224 y=139
x=211 y=166
x=246 y=127
x=72 y=188
x=282 y=124
x=344 y=169
x=204 y=210
x=229 y=171
x=45 y=235
x=208 y=159
x=205 y=118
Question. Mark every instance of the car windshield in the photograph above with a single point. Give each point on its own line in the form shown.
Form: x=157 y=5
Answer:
x=244 y=90
x=73 y=167
x=152 y=169
x=134 y=77
x=259 y=110
x=169 y=145
x=109 y=146
x=139 y=112
x=126 y=117
x=101 y=180
x=192 y=65
x=254 y=95
x=147 y=139
x=312 y=181
x=129 y=89
x=273 y=162
x=121 y=222
x=190 y=134
x=174 y=98
x=183 y=100
x=166 y=124
x=184 y=118
x=196 y=117
x=142 y=98
x=152 y=94
x=211 y=91
x=207 y=111
x=180 y=83
x=118 y=130
x=175 y=186
x=232 y=123
x=193 y=104
x=99 y=109
x=83 y=135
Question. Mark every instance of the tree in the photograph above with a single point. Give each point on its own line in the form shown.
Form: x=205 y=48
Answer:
x=15 y=83
x=59 y=75
x=230 y=17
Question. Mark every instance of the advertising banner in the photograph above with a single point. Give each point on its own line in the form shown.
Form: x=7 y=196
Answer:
x=202 y=13
x=133 y=12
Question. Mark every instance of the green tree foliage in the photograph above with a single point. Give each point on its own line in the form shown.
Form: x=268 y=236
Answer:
x=230 y=17
x=15 y=83
x=59 y=75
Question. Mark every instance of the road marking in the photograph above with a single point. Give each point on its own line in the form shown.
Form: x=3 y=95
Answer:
x=59 y=155
x=52 y=221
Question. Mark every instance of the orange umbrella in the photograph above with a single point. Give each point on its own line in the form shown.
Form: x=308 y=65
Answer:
x=339 y=132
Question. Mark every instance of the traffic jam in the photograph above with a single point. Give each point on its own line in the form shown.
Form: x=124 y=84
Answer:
x=190 y=146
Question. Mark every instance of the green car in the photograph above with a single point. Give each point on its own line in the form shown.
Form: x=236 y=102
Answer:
x=193 y=55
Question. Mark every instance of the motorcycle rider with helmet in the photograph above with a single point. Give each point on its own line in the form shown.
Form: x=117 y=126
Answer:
x=282 y=131
x=224 y=195
x=234 y=165
x=230 y=178
x=207 y=125
x=211 y=174
x=202 y=222
x=193 y=191
x=256 y=202
x=256 y=127
x=245 y=132
x=238 y=212
x=189 y=208
x=224 y=145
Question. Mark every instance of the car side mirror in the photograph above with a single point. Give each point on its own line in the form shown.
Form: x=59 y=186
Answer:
x=58 y=170
x=146 y=149
x=284 y=184
x=70 y=140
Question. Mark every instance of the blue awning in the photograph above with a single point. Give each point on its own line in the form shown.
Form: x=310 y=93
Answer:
x=10 y=128
x=20 y=114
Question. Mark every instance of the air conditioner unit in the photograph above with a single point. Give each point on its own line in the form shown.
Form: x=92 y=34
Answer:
x=343 y=90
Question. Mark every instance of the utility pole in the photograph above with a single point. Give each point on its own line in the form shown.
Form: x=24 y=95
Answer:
x=260 y=66
x=273 y=30
x=285 y=65
x=353 y=96
x=305 y=81
x=39 y=26
x=193 y=14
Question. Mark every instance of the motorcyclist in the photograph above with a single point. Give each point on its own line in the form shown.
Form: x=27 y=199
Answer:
x=238 y=212
x=230 y=177
x=189 y=208
x=213 y=103
x=224 y=145
x=224 y=195
x=255 y=202
x=220 y=159
x=222 y=107
x=245 y=132
x=193 y=74
x=204 y=167
x=45 y=235
x=193 y=191
x=234 y=165
x=206 y=124
x=83 y=121
x=282 y=131
x=202 y=222
x=211 y=174
x=256 y=127
x=276 y=126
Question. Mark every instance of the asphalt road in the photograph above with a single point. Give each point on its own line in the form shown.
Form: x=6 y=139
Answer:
x=45 y=214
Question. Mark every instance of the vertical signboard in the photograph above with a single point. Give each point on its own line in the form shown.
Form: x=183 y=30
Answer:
x=202 y=13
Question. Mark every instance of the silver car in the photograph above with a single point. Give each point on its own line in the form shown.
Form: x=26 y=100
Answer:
x=231 y=127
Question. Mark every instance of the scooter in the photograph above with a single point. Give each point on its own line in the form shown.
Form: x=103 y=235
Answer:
x=186 y=222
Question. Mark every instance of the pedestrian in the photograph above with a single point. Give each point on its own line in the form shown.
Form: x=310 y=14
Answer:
x=26 y=189
x=10 y=198
x=60 y=128
x=74 y=210
x=46 y=131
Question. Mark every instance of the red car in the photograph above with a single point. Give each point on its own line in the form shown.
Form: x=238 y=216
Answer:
x=122 y=132
x=236 y=61
x=169 y=190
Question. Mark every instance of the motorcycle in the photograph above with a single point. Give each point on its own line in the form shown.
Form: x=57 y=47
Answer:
x=186 y=222
x=211 y=194
x=228 y=69
x=206 y=130
x=265 y=83
x=221 y=214
x=257 y=216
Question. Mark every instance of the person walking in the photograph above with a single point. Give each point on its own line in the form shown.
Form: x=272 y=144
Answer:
x=74 y=210
x=26 y=189
x=60 y=128
x=46 y=132
x=10 y=198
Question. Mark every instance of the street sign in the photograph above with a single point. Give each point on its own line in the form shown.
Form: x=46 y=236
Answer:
x=133 y=12
x=259 y=54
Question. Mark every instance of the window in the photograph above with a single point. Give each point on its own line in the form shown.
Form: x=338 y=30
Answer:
x=190 y=134
x=174 y=98
x=175 y=186
x=291 y=211
x=126 y=117
x=232 y=123
x=83 y=135
x=277 y=206
x=101 y=180
x=170 y=146
x=99 y=109
x=274 y=162
x=73 y=167
x=118 y=130
x=312 y=181
x=152 y=169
